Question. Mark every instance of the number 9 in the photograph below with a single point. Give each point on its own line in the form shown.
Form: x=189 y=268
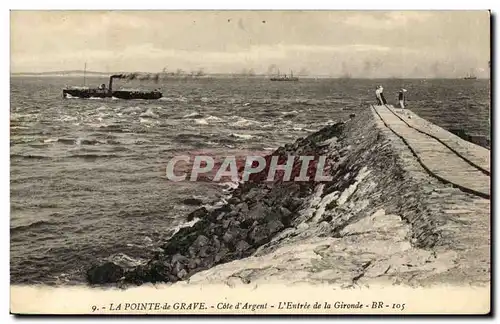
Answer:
x=94 y=308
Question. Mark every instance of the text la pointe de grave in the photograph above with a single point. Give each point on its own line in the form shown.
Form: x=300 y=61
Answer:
x=283 y=305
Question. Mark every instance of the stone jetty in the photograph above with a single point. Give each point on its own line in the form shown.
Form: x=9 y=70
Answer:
x=408 y=204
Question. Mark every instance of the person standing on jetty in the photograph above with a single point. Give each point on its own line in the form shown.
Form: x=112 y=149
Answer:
x=402 y=98
x=379 y=93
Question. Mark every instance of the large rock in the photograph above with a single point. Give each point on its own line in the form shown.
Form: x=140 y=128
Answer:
x=198 y=213
x=262 y=234
x=258 y=212
x=193 y=201
x=104 y=273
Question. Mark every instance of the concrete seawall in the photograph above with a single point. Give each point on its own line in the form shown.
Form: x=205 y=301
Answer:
x=408 y=205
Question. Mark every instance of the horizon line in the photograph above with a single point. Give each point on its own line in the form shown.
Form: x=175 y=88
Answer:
x=98 y=73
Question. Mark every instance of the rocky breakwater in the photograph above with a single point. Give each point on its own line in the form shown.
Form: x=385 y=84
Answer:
x=372 y=223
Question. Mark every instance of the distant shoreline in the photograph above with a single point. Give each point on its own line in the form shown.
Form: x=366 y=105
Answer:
x=68 y=74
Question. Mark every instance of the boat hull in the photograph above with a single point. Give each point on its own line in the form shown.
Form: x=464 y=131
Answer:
x=284 y=79
x=85 y=93
x=120 y=94
x=126 y=94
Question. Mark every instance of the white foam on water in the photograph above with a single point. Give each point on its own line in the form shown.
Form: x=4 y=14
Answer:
x=147 y=121
x=242 y=122
x=207 y=120
x=201 y=121
x=213 y=118
x=185 y=224
x=51 y=140
x=125 y=260
x=132 y=109
x=193 y=114
x=149 y=113
x=68 y=118
x=289 y=113
x=243 y=136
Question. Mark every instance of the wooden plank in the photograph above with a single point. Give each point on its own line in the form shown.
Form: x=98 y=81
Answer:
x=476 y=153
x=437 y=158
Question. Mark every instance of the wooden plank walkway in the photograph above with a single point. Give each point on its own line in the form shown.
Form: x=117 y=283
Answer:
x=477 y=154
x=442 y=154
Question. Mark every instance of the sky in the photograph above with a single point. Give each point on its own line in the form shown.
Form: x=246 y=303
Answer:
x=362 y=44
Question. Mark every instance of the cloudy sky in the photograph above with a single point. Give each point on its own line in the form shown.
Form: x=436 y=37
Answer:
x=359 y=43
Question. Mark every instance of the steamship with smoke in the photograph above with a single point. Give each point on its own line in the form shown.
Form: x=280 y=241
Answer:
x=284 y=77
x=103 y=92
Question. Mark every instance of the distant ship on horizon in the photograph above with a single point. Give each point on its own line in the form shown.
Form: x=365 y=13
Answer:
x=470 y=76
x=285 y=77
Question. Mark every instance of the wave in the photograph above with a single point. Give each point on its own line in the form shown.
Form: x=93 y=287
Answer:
x=227 y=141
x=30 y=156
x=192 y=139
x=68 y=141
x=201 y=121
x=209 y=119
x=73 y=141
x=133 y=109
x=80 y=141
x=242 y=122
x=113 y=128
x=39 y=223
x=149 y=113
x=119 y=148
x=147 y=121
x=269 y=114
x=125 y=260
x=171 y=99
x=243 y=136
x=51 y=140
x=23 y=140
x=213 y=118
x=66 y=118
x=93 y=156
x=193 y=115
x=184 y=136
x=289 y=114
x=180 y=226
